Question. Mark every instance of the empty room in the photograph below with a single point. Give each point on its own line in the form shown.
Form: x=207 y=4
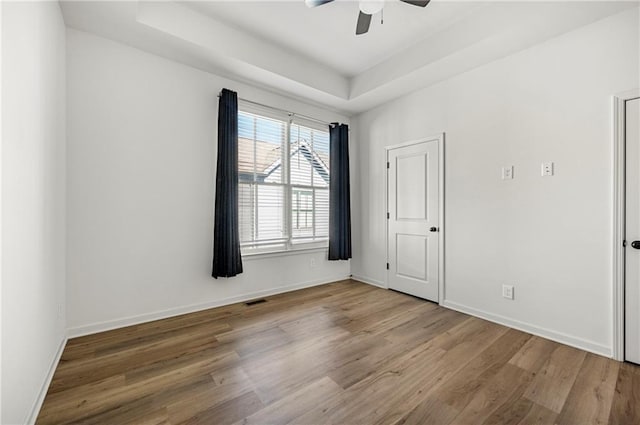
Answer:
x=320 y=212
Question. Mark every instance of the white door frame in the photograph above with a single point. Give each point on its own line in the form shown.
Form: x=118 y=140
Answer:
x=440 y=138
x=618 y=136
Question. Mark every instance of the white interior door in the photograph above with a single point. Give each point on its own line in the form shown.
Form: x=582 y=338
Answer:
x=413 y=216
x=632 y=231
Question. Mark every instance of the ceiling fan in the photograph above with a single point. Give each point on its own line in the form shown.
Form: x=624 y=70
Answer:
x=368 y=8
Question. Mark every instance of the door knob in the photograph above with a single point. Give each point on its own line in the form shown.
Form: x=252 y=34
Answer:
x=435 y=229
x=635 y=244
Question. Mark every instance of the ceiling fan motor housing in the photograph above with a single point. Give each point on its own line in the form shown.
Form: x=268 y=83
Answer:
x=367 y=8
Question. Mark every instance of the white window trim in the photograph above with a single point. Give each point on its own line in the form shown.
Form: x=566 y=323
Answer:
x=289 y=247
x=283 y=252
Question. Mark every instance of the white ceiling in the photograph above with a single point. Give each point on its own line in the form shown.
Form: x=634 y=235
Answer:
x=327 y=33
x=314 y=54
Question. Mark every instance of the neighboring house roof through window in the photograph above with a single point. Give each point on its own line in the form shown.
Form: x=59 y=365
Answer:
x=269 y=158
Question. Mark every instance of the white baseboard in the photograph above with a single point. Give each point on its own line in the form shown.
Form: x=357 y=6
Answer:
x=370 y=281
x=37 y=405
x=560 y=337
x=177 y=311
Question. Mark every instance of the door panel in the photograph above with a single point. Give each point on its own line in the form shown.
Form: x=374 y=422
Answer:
x=632 y=230
x=411 y=250
x=413 y=196
x=411 y=172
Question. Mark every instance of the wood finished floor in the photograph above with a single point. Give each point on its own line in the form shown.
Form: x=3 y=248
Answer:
x=342 y=353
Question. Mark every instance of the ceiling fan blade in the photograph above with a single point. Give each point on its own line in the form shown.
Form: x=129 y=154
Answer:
x=364 y=21
x=421 y=3
x=315 y=3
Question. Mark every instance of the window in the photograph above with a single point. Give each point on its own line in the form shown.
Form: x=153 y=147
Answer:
x=302 y=210
x=283 y=165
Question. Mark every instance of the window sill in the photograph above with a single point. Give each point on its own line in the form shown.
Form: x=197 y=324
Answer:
x=248 y=256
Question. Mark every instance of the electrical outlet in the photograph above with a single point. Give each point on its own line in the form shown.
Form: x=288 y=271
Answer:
x=507 y=291
x=312 y=263
x=507 y=172
x=546 y=169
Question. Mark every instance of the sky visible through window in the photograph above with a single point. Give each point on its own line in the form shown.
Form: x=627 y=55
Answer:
x=267 y=130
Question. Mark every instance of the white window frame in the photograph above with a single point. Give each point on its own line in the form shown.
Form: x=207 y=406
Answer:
x=289 y=246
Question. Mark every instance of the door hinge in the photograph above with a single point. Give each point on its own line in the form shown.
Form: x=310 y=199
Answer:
x=388 y=216
x=624 y=244
x=387 y=164
x=387 y=266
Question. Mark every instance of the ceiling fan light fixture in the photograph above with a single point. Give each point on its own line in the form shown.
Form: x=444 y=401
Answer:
x=371 y=7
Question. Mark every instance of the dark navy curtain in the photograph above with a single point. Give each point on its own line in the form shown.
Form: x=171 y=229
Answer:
x=339 y=194
x=227 y=261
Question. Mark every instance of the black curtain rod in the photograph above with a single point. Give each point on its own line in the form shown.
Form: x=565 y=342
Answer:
x=330 y=124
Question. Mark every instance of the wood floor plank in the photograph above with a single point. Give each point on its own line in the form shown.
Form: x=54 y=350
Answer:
x=455 y=358
x=91 y=404
x=392 y=321
x=77 y=394
x=369 y=399
x=317 y=321
x=423 y=326
x=155 y=417
x=458 y=390
x=552 y=384
x=521 y=411
x=260 y=342
x=145 y=341
x=227 y=412
x=429 y=411
x=295 y=404
x=397 y=387
x=296 y=365
x=152 y=406
x=468 y=333
x=625 y=408
x=590 y=399
x=366 y=316
x=534 y=354
x=341 y=353
x=539 y=415
x=428 y=327
x=505 y=388
x=231 y=384
x=82 y=371
x=76 y=347
x=218 y=359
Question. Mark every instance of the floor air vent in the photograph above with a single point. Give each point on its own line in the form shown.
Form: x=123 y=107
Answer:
x=254 y=302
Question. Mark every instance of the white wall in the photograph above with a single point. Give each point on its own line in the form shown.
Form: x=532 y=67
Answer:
x=1 y=94
x=141 y=170
x=33 y=202
x=550 y=237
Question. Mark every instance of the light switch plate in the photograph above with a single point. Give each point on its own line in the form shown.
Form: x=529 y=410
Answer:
x=547 y=169
x=507 y=291
x=507 y=172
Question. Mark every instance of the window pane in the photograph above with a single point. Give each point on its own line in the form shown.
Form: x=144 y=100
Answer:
x=321 y=147
x=270 y=136
x=270 y=211
x=301 y=158
x=246 y=212
x=322 y=212
x=260 y=147
x=245 y=161
x=309 y=156
x=245 y=126
x=301 y=212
